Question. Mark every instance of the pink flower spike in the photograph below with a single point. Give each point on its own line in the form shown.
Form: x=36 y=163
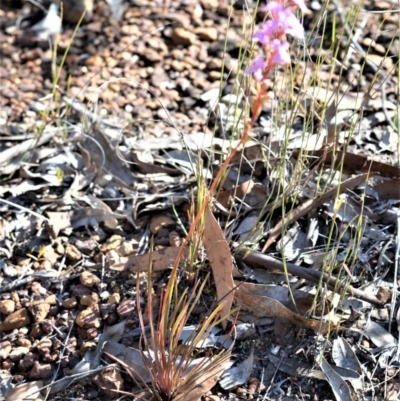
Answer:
x=283 y=20
x=257 y=68
x=267 y=31
x=274 y=7
x=280 y=54
x=292 y=26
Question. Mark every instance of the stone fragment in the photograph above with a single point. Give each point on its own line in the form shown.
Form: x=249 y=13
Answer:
x=39 y=310
x=24 y=342
x=15 y=320
x=88 y=279
x=87 y=346
x=70 y=303
x=109 y=380
x=27 y=361
x=79 y=290
x=73 y=10
x=86 y=246
x=44 y=347
x=7 y=306
x=89 y=317
x=5 y=349
x=40 y=371
x=107 y=309
x=159 y=222
x=125 y=308
x=208 y=34
x=114 y=298
x=73 y=253
x=87 y=300
x=17 y=353
x=181 y=36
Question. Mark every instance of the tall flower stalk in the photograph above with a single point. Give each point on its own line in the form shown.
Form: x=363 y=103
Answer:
x=273 y=39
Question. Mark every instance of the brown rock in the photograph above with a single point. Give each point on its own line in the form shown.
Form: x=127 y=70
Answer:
x=73 y=10
x=47 y=325
x=152 y=55
x=17 y=353
x=87 y=300
x=86 y=246
x=107 y=309
x=208 y=34
x=88 y=279
x=109 y=380
x=24 y=342
x=40 y=371
x=384 y=294
x=79 y=290
x=70 y=303
x=96 y=61
x=15 y=320
x=125 y=308
x=181 y=36
x=8 y=364
x=91 y=333
x=114 y=298
x=7 y=306
x=51 y=299
x=160 y=221
x=87 y=346
x=27 y=361
x=36 y=331
x=5 y=349
x=44 y=347
x=73 y=253
x=39 y=310
x=89 y=317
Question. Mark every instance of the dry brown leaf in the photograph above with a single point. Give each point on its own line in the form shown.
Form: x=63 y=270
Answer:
x=104 y=155
x=312 y=204
x=25 y=392
x=249 y=191
x=352 y=162
x=194 y=389
x=389 y=189
x=219 y=255
x=162 y=259
x=295 y=368
x=109 y=380
x=261 y=306
x=96 y=203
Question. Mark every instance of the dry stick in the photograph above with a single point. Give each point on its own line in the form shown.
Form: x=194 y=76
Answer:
x=267 y=262
x=306 y=207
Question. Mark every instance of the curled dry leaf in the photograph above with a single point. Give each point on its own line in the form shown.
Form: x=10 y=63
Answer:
x=219 y=255
x=162 y=259
x=194 y=389
x=262 y=305
x=237 y=375
x=339 y=386
x=130 y=357
x=25 y=392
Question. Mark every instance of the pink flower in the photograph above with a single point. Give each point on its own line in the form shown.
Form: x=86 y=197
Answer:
x=284 y=21
x=272 y=37
x=267 y=31
x=280 y=53
x=257 y=68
